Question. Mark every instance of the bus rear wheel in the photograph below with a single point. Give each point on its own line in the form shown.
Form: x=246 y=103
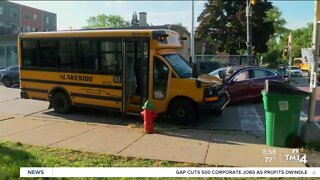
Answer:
x=182 y=111
x=60 y=103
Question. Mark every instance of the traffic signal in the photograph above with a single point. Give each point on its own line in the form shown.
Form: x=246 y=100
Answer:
x=253 y=49
x=285 y=51
x=253 y=2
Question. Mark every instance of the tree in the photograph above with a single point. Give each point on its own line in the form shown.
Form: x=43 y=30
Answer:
x=223 y=24
x=134 y=20
x=301 y=38
x=106 y=21
x=274 y=15
x=276 y=43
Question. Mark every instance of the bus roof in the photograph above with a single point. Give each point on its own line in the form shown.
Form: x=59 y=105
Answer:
x=93 y=33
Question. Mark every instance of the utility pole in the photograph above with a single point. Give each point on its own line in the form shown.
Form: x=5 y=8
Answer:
x=290 y=53
x=192 y=34
x=314 y=70
x=311 y=129
x=249 y=35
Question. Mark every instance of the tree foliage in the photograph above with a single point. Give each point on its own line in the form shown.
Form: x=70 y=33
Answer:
x=106 y=21
x=301 y=38
x=274 y=15
x=276 y=42
x=223 y=24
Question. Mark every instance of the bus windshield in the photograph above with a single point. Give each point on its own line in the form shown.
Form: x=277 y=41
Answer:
x=179 y=65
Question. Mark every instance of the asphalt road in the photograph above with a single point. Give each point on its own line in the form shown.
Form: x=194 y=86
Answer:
x=242 y=117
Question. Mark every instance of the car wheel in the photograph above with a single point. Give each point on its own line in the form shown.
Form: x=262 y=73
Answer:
x=60 y=103
x=6 y=81
x=182 y=112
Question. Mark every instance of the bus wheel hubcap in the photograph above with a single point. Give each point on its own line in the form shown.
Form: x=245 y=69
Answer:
x=181 y=112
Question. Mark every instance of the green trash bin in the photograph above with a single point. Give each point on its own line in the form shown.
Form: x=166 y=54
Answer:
x=282 y=104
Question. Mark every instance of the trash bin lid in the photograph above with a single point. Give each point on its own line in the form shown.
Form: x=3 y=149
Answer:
x=277 y=87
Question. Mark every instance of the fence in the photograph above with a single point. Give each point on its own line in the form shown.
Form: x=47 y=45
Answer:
x=227 y=60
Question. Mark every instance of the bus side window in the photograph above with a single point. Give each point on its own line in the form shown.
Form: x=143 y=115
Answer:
x=67 y=54
x=160 y=79
x=87 y=54
x=47 y=53
x=29 y=53
x=111 y=57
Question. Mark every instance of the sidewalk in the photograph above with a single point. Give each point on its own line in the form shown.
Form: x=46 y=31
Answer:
x=193 y=146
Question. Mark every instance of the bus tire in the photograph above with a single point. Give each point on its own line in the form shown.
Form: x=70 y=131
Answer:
x=60 y=103
x=6 y=81
x=182 y=111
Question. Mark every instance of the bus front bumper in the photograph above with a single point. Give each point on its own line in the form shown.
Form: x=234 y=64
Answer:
x=218 y=105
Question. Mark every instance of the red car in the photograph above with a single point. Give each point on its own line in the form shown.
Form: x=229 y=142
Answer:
x=246 y=83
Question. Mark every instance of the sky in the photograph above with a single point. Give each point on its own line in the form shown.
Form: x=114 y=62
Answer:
x=75 y=13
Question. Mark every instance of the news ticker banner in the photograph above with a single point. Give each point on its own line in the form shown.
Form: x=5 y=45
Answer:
x=168 y=172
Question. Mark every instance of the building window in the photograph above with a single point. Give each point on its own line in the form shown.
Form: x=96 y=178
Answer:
x=1 y=10
x=35 y=29
x=35 y=17
x=13 y=12
x=47 y=20
x=14 y=27
x=26 y=15
x=28 y=28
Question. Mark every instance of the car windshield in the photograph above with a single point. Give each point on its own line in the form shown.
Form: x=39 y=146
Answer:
x=294 y=68
x=179 y=65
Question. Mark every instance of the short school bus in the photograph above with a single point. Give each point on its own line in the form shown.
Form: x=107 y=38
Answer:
x=117 y=70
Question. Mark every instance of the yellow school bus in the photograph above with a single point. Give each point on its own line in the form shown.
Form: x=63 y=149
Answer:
x=117 y=70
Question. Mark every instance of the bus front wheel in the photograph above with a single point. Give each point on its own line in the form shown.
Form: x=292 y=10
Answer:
x=60 y=103
x=182 y=111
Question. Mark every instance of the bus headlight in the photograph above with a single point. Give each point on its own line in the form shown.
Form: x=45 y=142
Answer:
x=210 y=94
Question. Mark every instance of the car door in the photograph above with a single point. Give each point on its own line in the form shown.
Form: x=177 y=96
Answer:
x=238 y=86
x=259 y=76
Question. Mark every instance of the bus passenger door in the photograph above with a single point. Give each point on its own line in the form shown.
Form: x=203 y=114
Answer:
x=135 y=73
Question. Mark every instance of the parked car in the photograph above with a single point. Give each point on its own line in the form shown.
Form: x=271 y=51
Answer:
x=246 y=83
x=282 y=69
x=294 y=72
x=208 y=66
x=10 y=76
x=282 y=66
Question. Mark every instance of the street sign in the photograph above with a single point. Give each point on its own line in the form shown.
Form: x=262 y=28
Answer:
x=307 y=55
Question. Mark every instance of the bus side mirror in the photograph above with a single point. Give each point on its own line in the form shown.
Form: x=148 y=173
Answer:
x=195 y=70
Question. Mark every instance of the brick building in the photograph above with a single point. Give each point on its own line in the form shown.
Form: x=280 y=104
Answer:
x=16 y=18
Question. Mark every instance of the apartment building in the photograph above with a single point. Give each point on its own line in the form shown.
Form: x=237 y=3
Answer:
x=16 y=18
